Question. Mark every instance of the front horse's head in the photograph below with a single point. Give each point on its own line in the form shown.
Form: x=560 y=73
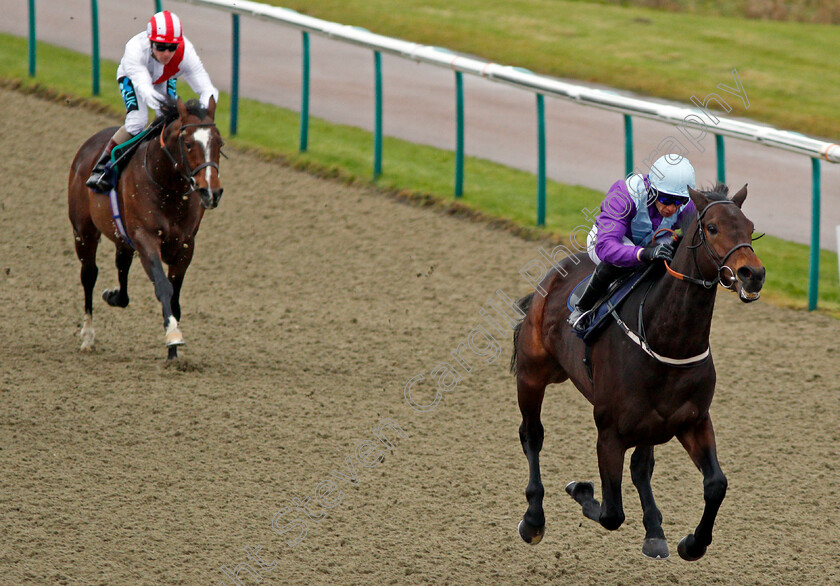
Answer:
x=197 y=141
x=722 y=242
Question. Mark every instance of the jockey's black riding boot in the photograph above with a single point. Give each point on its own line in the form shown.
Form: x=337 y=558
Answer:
x=596 y=288
x=97 y=180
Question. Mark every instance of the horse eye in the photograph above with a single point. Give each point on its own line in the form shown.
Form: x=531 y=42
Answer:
x=712 y=229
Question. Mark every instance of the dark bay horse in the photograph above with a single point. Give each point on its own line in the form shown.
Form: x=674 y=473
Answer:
x=643 y=394
x=162 y=194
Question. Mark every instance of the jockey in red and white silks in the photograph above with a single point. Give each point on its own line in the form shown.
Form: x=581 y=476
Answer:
x=149 y=76
x=152 y=62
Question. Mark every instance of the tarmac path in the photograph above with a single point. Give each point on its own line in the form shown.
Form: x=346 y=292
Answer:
x=585 y=146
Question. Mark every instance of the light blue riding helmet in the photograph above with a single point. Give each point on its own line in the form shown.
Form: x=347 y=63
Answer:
x=671 y=174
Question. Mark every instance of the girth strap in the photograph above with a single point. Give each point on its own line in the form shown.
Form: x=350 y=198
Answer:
x=115 y=213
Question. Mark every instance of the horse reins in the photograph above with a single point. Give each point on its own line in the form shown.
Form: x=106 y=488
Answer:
x=189 y=176
x=720 y=264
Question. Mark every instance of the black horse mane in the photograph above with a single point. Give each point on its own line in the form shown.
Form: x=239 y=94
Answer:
x=719 y=192
x=169 y=109
x=169 y=113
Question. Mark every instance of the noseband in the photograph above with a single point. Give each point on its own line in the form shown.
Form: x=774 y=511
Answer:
x=720 y=264
x=189 y=175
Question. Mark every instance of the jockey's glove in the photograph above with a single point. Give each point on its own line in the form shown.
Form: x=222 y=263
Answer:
x=659 y=251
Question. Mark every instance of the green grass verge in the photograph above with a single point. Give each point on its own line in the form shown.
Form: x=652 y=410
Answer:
x=671 y=55
x=415 y=171
x=822 y=11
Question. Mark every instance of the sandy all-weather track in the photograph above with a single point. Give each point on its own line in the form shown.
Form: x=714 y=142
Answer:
x=308 y=307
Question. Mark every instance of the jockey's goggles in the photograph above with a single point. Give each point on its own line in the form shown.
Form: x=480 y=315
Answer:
x=162 y=47
x=668 y=199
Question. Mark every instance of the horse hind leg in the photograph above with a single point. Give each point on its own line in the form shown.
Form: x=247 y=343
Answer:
x=641 y=470
x=86 y=243
x=119 y=297
x=609 y=513
x=531 y=433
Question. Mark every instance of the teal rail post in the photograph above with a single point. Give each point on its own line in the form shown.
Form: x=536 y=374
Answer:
x=721 y=159
x=94 y=25
x=459 y=134
x=304 y=97
x=158 y=5
x=234 y=81
x=377 y=140
x=628 y=145
x=31 y=38
x=814 y=275
x=540 y=160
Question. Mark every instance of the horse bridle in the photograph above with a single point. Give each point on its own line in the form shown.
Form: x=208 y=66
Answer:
x=720 y=264
x=189 y=175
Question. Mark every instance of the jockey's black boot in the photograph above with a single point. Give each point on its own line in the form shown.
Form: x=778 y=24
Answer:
x=97 y=180
x=596 y=288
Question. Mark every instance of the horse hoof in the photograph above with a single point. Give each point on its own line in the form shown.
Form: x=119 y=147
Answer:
x=529 y=533
x=578 y=490
x=174 y=338
x=87 y=334
x=656 y=548
x=112 y=298
x=683 y=549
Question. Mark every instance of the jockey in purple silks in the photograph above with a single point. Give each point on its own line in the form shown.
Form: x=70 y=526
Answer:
x=631 y=213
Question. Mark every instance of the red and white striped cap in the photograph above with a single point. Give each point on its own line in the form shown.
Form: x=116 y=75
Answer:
x=165 y=27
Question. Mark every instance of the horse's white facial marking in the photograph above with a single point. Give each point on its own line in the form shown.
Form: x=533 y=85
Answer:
x=202 y=137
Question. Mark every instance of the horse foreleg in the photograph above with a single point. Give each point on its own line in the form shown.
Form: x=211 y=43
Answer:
x=641 y=471
x=532 y=526
x=163 y=291
x=610 y=513
x=699 y=442
x=177 y=270
x=119 y=297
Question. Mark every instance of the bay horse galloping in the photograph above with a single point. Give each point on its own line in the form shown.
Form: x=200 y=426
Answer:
x=160 y=200
x=652 y=376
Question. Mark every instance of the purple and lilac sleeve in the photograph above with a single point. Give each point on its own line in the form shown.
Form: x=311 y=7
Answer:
x=617 y=212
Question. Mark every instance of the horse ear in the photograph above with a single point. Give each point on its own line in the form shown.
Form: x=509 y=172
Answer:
x=211 y=108
x=700 y=200
x=738 y=198
x=182 y=109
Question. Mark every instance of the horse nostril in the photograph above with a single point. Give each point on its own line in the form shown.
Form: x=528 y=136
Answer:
x=219 y=193
x=744 y=274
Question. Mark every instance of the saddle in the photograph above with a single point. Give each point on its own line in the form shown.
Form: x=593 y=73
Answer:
x=610 y=302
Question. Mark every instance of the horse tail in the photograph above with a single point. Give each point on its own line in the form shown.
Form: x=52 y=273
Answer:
x=524 y=304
